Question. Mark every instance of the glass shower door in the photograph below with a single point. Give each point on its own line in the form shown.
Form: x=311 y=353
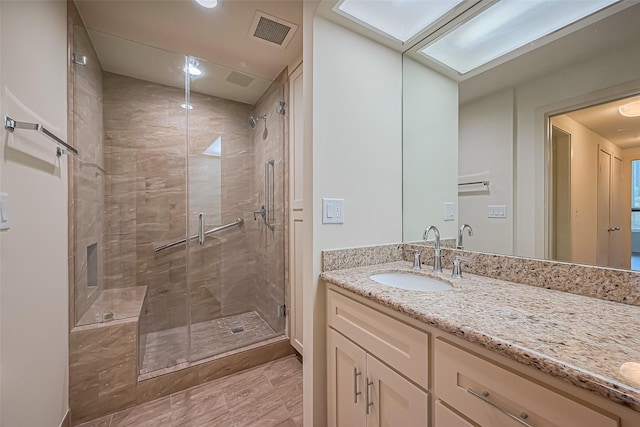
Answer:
x=229 y=287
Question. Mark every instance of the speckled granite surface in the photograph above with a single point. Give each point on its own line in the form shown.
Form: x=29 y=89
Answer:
x=599 y=282
x=582 y=340
x=339 y=259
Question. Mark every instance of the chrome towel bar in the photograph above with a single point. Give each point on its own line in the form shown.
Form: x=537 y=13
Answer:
x=200 y=236
x=485 y=183
x=63 y=147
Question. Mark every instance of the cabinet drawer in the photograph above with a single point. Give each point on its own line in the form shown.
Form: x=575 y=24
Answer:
x=445 y=417
x=486 y=393
x=397 y=344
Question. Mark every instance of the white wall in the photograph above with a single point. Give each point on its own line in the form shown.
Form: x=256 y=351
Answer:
x=430 y=147
x=486 y=144
x=356 y=155
x=33 y=253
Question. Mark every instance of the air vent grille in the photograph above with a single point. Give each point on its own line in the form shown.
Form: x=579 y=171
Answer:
x=272 y=30
x=239 y=79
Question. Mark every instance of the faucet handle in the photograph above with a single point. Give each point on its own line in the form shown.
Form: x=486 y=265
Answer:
x=417 y=264
x=457 y=269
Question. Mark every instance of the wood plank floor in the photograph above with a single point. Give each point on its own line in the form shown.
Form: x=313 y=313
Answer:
x=268 y=395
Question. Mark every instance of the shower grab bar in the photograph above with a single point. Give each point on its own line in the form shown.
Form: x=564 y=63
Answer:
x=12 y=125
x=269 y=192
x=201 y=232
x=238 y=221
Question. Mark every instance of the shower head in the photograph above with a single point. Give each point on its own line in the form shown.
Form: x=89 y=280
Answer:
x=253 y=121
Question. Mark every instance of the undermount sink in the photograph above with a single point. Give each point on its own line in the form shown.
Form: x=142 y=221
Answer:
x=411 y=282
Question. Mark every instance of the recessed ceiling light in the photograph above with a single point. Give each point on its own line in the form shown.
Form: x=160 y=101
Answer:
x=209 y=4
x=185 y=106
x=503 y=27
x=400 y=19
x=192 y=69
x=631 y=109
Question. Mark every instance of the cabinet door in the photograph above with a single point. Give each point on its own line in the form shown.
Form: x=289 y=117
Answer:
x=393 y=400
x=346 y=381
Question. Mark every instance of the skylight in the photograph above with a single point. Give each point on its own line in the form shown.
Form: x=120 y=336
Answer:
x=505 y=26
x=400 y=19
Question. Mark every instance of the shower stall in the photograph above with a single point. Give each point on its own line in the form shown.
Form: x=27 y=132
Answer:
x=179 y=201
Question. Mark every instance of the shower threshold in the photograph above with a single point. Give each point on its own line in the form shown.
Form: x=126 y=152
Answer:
x=165 y=350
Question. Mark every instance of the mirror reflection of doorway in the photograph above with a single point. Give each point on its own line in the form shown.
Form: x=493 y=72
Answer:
x=593 y=172
x=560 y=249
x=635 y=214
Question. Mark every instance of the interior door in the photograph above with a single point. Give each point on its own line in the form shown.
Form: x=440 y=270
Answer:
x=560 y=248
x=604 y=208
x=616 y=258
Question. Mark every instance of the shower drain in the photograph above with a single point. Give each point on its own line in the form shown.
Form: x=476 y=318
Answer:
x=237 y=329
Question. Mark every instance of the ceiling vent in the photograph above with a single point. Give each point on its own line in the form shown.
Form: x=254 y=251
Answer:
x=239 y=79
x=271 y=30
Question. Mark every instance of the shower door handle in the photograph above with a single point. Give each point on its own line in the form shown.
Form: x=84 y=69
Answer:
x=201 y=234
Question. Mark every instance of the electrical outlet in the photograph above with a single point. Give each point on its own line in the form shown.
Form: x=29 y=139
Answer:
x=449 y=211
x=4 y=211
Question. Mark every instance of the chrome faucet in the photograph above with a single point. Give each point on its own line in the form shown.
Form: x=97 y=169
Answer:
x=437 y=267
x=460 y=232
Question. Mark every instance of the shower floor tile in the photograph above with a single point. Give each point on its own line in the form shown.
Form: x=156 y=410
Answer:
x=168 y=348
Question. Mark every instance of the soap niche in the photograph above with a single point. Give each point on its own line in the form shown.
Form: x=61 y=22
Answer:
x=92 y=265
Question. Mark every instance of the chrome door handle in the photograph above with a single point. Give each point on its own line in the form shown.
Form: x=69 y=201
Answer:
x=369 y=384
x=484 y=396
x=356 y=393
x=201 y=228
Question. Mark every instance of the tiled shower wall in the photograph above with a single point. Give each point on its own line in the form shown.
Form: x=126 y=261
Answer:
x=88 y=166
x=222 y=271
x=146 y=200
x=145 y=205
x=269 y=282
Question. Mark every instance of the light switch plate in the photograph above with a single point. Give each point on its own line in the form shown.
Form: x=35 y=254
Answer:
x=332 y=211
x=496 y=211
x=4 y=211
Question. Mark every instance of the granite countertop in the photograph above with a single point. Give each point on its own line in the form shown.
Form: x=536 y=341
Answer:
x=591 y=343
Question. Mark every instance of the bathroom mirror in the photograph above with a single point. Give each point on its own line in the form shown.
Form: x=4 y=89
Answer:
x=492 y=153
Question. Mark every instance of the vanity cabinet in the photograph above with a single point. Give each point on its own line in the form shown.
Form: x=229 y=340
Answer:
x=383 y=371
x=363 y=389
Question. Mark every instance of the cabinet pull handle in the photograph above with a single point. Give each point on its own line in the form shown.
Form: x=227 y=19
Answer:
x=484 y=396
x=369 y=383
x=356 y=393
